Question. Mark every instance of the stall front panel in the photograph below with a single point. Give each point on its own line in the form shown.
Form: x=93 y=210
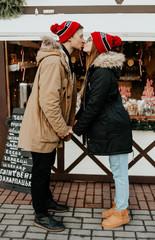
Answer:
x=130 y=27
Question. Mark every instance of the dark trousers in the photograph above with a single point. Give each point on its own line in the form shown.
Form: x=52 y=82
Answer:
x=40 y=182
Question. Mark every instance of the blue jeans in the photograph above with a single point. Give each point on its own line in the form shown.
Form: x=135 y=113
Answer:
x=119 y=168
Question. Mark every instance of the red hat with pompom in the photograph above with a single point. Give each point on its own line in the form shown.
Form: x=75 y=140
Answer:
x=65 y=30
x=105 y=42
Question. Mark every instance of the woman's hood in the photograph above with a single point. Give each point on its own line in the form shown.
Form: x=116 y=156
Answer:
x=109 y=60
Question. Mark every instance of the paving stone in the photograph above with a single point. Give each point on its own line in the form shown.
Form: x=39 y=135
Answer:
x=102 y=233
x=66 y=214
x=65 y=232
x=72 y=237
x=97 y=215
x=57 y=237
x=14 y=234
x=25 y=211
x=4 y=210
x=84 y=215
x=3 y=227
x=10 y=222
x=3 y=238
x=142 y=217
x=15 y=216
x=9 y=206
x=72 y=219
x=149 y=223
x=27 y=222
x=134 y=228
x=92 y=226
x=145 y=235
x=92 y=220
x=101 y=238
x=150 y=228
x=153 y=212
x=83 y=210
x=99 y=210
x=1 y=215
x=35 y=236
x=80 y=232
x=73 y=225
x=16 y=228
x=114 y=229
x=26 y=207
x=125 y=238
x=28 y=217
x=124 y=234
x=36 y=229
x=141 y=212
x=136 y=222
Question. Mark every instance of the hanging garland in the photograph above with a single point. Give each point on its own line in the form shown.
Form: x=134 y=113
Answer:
x=11 y=8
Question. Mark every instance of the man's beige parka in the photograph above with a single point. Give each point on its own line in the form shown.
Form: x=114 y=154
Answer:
x=51 y=105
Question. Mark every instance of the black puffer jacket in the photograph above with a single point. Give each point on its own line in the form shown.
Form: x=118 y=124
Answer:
x=102 y=115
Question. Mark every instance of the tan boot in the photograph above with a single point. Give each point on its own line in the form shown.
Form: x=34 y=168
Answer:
x=118 y=218
x=109 y=212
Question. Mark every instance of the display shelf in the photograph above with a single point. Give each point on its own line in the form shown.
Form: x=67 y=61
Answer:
x=130 y=78
x=25 y=44
x=18 y=66
x=143 y=117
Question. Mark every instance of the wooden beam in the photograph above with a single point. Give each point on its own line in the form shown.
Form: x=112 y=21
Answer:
x=91 y=9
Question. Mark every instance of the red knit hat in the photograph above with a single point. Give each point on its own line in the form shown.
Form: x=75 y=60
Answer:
x=65 y=30
x=104 y=42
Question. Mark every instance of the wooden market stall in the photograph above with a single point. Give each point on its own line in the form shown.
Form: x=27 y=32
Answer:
x=20 y=40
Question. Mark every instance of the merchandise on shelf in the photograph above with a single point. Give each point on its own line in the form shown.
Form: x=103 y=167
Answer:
x=145 y=106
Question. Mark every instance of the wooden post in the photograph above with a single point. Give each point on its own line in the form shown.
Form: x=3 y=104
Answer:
x=7 y=79
x=61 y=159
x=3 y=103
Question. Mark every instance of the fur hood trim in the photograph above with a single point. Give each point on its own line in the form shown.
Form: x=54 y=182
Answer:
x=109 y=60
x=49 y=43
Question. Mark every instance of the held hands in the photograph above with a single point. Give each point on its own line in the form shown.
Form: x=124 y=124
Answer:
x=70 y=131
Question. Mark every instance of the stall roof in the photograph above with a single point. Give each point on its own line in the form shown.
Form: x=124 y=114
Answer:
x=86 y=2
x=131 y=27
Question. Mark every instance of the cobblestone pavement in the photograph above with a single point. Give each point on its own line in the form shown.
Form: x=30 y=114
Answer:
x=81 y=224
x=87 y=195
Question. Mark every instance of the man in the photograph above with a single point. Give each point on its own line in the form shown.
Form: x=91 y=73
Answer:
x=48 y=116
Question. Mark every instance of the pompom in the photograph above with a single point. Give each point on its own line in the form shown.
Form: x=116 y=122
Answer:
x=54 y=28
x=117 y=41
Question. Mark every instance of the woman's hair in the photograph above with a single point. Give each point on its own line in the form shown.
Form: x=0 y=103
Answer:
x=80 y=27
x=89 y=60
x=91 y=57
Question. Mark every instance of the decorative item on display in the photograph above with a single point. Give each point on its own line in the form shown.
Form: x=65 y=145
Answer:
x=125 y=93
x=144 y=107
x=11 y=8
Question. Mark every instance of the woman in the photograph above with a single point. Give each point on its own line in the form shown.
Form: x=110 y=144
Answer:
x=104 y=120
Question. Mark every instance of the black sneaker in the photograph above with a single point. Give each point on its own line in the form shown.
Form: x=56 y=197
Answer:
x=47 y=222
x=53 y=206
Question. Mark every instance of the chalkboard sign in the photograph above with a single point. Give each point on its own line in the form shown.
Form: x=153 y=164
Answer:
x=15 y=171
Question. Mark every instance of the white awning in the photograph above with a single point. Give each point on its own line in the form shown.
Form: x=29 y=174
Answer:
x=130 y=27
